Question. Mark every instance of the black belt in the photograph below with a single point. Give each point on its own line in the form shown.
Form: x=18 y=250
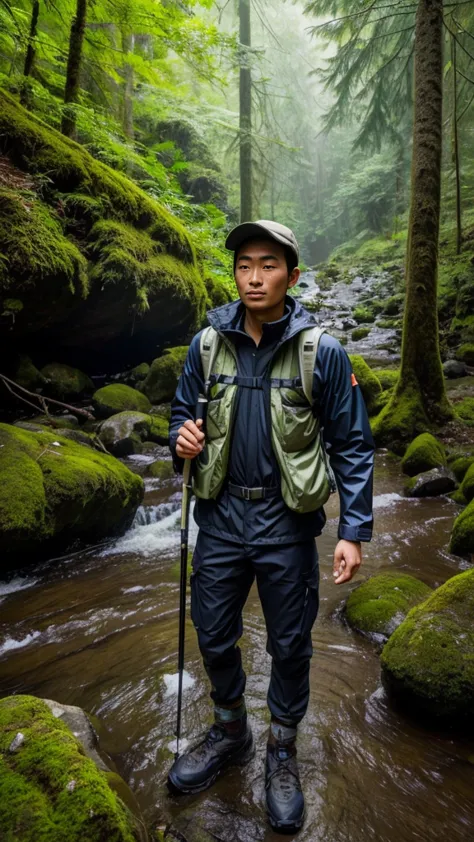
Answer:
x=252 y=493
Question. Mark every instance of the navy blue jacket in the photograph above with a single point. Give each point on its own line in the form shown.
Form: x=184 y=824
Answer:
x=252 y=463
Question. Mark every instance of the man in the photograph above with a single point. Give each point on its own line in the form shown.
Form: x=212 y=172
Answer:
x=260 y=479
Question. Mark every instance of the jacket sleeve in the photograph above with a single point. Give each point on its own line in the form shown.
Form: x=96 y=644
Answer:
x=183 y=405
x=347 y=436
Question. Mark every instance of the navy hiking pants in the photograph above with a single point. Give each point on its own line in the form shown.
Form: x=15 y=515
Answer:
x=288 y=580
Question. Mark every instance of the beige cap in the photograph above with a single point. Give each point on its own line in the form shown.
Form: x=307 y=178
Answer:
x=263 y=227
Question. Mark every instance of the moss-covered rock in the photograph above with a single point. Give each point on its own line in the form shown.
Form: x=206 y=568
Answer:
x=431 y=483
x=465 y=410
x=394 y=304
x=467 y=486
x=424 y=452
x=65 y=382
x=27 y=375
x=368 y=381
x=161 y=469
x=462 y=535
x=388 y=377
x=124 y=432
x=429 y=660
x=360 y=333
x=49 y=788
x=460 y=466
x=117 y=397
x=466 y=353
x=363 y=315
x=161 y=383
x=55 y=491
x=380 y=604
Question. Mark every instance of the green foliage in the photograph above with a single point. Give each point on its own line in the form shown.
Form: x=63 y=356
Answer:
x=380 y=604
x=429 y=660
x=363 y=314
x=424 y=452
x=360 y=333
x=466 y=353
x=49 y=789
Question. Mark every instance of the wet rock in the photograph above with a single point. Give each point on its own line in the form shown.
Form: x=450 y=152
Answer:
x=454 y=368
x=16 y=743
x=379 y=605
x=55 y=491
x=122 y=434
x=360 y=333
x=115 y=398
x=65 y=382
x=431 y=483
x=424 y=452
x=303 y=284
x=57 y=786
x=162 y=380
x=348 y=324
x=428 y=663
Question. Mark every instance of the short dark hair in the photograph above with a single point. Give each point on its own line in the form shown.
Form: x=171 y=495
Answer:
x=290 y=256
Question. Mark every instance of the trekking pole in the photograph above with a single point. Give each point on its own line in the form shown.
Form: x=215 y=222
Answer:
x=185 y=502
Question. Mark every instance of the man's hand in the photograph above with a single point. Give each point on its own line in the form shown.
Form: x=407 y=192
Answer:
x=347 y=560
x=190 y=441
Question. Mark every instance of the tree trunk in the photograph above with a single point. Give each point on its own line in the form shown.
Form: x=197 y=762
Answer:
x=71 y=92
x=456 y=149
x=128 y=43
x=420 y=401
x=245 y=114
x=25 y=94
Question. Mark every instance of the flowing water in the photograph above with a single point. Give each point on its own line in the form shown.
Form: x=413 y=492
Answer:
x=98 y=629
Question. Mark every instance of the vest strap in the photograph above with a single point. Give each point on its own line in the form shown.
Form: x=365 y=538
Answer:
x=285 y=383
x=252 y=493
x=237 y=380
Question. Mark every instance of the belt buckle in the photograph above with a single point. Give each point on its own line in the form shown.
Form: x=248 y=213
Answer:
x=246 y=493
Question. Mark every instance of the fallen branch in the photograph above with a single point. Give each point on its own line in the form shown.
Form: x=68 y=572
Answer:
x=43 y=401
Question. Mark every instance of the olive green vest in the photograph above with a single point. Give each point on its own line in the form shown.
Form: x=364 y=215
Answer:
x=306 y=477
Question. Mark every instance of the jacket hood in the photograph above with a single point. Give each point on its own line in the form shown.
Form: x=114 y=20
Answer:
x=228 y=317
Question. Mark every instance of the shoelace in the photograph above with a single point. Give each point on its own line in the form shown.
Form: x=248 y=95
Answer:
x=214 y=735
x=284 y=773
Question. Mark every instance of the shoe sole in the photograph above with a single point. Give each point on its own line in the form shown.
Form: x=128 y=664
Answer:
x=243 y=757
x=284 y=827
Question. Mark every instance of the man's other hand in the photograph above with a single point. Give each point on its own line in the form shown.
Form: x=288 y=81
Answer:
x=347 y=560
x=190 y=441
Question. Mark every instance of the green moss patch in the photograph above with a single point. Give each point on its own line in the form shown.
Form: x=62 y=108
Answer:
x=360 y=333
x=363 y=315
x=54 y=491
x=161 y=383
x=66 y=382
x=467 y=486
x=49 y=789
x=388 y=377
x=460 y=466
x=161 y=469
x=117 y=397
x=465 y=410
x=462 y=535
x=466 y=353
x=429 y=660
x=368 y=381
x=380 y=604
x=424 y=452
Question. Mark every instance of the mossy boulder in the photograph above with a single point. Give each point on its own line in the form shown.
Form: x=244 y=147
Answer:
x=424 y=452
x=27 y=375
x=124 y=432
x=431 y=483
x=66 y=383
x=388 y=377
x=393 y=305
x=55 y=491
x=49 y=788
x=465 y=410
x=460 y=466
x=97 y=263
x=118 y=397
x=462 y=534
x=428 y=663
x=467 y=486
x=363 y=315
x=161 y=383
x=161 y=469
x=368 y=381
x=466 y=353
x=360 y=333
x=379 y=605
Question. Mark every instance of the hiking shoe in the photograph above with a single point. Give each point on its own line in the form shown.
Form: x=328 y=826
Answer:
x=199 y=767
x=285 y=799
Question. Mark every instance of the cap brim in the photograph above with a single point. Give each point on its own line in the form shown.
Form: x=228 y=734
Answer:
x=247 y=230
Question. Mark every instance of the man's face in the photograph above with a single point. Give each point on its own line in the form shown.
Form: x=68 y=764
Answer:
x=261 y=274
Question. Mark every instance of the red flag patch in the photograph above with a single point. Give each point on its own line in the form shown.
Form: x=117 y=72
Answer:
x=353 y=380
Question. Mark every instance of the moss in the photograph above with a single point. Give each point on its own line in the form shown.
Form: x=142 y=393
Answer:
x=389 y=324
x=159 y=429
x=388 y=377
x=49 y=790
x=360 y=333
x=393 y=305
x=467 y=487
x=140 y=371
x=117 y=397
x=465 y=409
x=55 y=490
x=161 y=383
x=161 y=469
x=363 y=315
x=462 y=534
x=380 y=604
x=65 y=381
x=27 y=375
x=466 y=353
x=458 y=497
x=124 y=432
x=424 y=452
x=460 y=466
x=429 y=660
x=400 y=420
x=368 y=382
